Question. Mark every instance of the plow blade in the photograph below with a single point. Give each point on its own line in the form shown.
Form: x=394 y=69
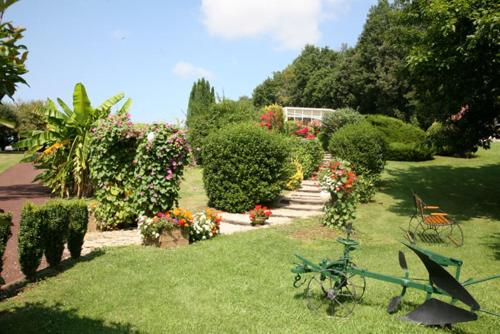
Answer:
x=437 y=313
x=443 y=280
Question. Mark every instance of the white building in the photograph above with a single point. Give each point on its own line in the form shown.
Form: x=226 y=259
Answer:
x=305 y=115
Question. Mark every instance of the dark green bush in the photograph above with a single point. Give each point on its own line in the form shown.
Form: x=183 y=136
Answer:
x=308 y=153
x=450 y=140
x=334 y=121
x=5 y=224
x=244 y=165
x=31 y=239
x=405 y=142
x=362 y=145
x=78 y=217
x=56 y=231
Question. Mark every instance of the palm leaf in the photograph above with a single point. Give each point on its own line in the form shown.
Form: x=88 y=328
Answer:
x=81 y=104
x=65 y=107
x=126 y=106
x=8 y=123
x=106 y=105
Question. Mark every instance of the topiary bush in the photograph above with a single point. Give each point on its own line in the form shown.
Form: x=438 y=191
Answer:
x=405 y=142
x=5 y=224
x=244 y=165
x=56 y=230
x=113 y=150
x=159 y=164
x=78 y=217
x=31 y=242
x=309 y=154
x=362 y=145
x=334 y=121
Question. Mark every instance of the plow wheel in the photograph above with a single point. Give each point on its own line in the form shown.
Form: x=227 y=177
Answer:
x=430 y=235
x=358 y=282
x=338 y=297
x=453 y=234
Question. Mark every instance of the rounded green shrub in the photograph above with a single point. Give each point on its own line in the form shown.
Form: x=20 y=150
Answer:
x=405 y=142
x=362 y=145
x=5 y=233
x=31 y=241
x=78 y=217
x=56 y=230
x=244 y=165
x=334 y=121
x=308 y=153
x=449 y=140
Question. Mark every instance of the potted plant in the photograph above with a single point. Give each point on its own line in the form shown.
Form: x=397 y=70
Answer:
x=166 y=230
x=259 y=215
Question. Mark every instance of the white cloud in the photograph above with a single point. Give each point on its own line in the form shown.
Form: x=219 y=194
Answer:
x=119 y=34
x=187 y=70
x=291 y=23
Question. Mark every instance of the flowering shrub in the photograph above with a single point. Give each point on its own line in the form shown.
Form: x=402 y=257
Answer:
x=273 y=118
x=295 y=180
x=261 y=212
x=113 y=150
x=159 y=163
x=206 y=225
x=339 y=180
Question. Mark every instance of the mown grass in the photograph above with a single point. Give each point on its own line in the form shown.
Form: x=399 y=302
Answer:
x=192 y=195
x=9 y=159
x=242 y=282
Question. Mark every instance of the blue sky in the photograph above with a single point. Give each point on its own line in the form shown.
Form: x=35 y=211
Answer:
x=153 y=51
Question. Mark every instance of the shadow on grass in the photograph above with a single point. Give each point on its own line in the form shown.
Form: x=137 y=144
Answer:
x=13 y=289
x=464 y=192
x=493 y=241
x=41 y=318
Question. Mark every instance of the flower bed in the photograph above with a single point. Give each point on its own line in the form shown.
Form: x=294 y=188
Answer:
x=179 y=227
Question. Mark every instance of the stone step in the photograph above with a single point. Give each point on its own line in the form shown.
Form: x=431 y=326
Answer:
x=291 y=213
x=303 y=207
x=307 y=189
x=305 y=194
x=298 y=200
x=312 y=183
x=226 y=228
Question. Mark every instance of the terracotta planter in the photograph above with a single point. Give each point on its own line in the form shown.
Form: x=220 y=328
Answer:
x=176 y=237
x=259 y=221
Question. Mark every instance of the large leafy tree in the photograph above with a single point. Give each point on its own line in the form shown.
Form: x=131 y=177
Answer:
x=201 y=98
x=63 y=149
x=454 y=62
x=13 y=55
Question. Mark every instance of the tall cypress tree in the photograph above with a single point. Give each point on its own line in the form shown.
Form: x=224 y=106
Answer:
x=201 y=98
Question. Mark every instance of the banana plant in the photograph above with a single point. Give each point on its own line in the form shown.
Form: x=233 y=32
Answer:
x=63 y=149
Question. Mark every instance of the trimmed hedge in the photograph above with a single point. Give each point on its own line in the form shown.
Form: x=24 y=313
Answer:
x=56 y=230
x=244 y=165
x=31 y=241
x=308 y=153
x=5 y=224
x=46 y=228
x=334 y=121
x=405 y=142
x=78 y=217
x=362 y=145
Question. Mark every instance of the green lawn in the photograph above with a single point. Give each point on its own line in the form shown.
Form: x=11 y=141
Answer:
x=192 y=195
x=242 y=282
x=9 y=159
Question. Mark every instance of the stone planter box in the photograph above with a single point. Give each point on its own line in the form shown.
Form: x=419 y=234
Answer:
x=176 y=237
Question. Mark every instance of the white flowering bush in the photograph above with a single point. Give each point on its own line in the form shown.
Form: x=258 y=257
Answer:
x=205 y=225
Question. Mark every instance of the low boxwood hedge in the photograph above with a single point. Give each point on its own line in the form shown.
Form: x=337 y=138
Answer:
x=5 y=233
x=31 y=239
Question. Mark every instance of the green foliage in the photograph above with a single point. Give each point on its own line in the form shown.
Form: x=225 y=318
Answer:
x=66 y=143
x=334 y=121
x=244 y=165
x=78 y=217
x=13 y=55
x=31 y=239
x=366 y=186
x=56 y=219
x=453 y=60
x=308 y=153
x=297 y=176
x=404 y=141
x=201 y=98
x=112 y=165
x=159 y=164
x=449 y=140
x=8 y=120
x=362 y=145
x=5 y=224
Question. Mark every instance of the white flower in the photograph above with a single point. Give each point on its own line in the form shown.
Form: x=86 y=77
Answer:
x=151 y=137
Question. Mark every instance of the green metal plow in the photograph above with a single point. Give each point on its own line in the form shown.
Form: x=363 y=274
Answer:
x=339 y=285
